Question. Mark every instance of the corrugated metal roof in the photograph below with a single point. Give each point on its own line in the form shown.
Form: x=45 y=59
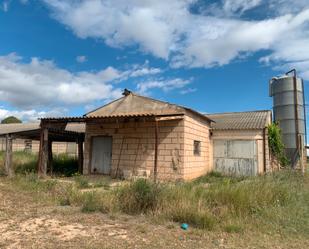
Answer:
x=132 y=105
x=76 y=127
x=136 y=105
x=22 y=127
x=240 y=120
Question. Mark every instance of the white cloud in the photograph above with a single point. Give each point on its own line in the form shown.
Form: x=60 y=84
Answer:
x=81 y=58
x=30 y=115
x=239 y=6
x=218 y=42
x=170 y=30
x=40 y=83
x=188 y=90
x=282 y=7
x=5 y=5
x=163 y=84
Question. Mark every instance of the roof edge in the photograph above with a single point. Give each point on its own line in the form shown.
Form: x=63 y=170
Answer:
x=219 y=113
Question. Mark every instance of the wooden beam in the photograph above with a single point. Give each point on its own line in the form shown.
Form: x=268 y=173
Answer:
x=155 y=168
x=43 y=153
x=80 y=155
x=169 y=118
x=9 y=156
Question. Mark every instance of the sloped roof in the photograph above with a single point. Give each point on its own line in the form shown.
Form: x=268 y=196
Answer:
x=19 y=127
x=76 y=127
x=23 y=127
x=135 y=105
x=240 y=120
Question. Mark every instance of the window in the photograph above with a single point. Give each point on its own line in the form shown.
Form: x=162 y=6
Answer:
x=197 y=148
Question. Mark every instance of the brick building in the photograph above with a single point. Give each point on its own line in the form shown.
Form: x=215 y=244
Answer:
x=140 y=136
x=134 y=134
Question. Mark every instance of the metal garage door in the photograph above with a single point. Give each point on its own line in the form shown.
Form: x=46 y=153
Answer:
x=235 y=157
x=101 y=155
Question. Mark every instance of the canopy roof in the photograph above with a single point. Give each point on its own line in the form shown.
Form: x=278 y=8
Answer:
x=32 y=131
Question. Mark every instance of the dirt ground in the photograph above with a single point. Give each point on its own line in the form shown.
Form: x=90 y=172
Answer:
x=26 y=222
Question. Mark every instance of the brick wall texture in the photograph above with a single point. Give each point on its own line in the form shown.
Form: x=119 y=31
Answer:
x=133 y=146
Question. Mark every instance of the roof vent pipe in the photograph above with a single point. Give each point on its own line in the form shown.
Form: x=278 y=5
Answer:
x=126 y=92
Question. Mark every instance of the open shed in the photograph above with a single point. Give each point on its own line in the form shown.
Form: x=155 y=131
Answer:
x=46 y=135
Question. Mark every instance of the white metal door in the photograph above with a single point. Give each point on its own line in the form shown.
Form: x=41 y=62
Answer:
x=235 y=157
x=101 y=155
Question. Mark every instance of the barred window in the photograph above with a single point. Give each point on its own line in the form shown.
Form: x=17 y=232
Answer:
x=197 y=148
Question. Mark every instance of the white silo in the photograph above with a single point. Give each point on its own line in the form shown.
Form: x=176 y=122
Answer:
x=289 y=111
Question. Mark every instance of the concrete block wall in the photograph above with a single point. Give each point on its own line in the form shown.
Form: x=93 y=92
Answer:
x=196 y=128
x=58 y=147
x=133 y=146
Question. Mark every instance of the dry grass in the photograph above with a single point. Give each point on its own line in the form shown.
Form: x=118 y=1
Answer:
x=31 y=218
x=85 y=212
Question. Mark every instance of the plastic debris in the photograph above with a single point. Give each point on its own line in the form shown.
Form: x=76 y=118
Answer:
x=184 y=226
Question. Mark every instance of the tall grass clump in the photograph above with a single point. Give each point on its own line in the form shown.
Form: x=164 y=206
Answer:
x=25 y=162
x=91 y=202
x=31 y=183
x=64 y=164
x=248 y=197
x=81 y=181
x=140 y=196
x=184 y=203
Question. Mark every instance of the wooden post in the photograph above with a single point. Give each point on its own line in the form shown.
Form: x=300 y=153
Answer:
x=264 y=150
x=155 y=169
x=9 y=157
x=50 y=156
x=43 y=153
x=80 y=155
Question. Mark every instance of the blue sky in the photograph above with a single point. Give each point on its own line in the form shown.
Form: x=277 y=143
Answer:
x=60 y=58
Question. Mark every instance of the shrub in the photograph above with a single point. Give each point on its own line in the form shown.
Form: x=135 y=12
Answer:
x=276 y=144
x=81 y=181
x=139 y=196
x=64 y=164
x=91 y=202
x=233 y=228
x=66 y=195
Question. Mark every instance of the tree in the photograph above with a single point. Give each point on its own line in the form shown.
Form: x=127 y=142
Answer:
x=11 y=120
